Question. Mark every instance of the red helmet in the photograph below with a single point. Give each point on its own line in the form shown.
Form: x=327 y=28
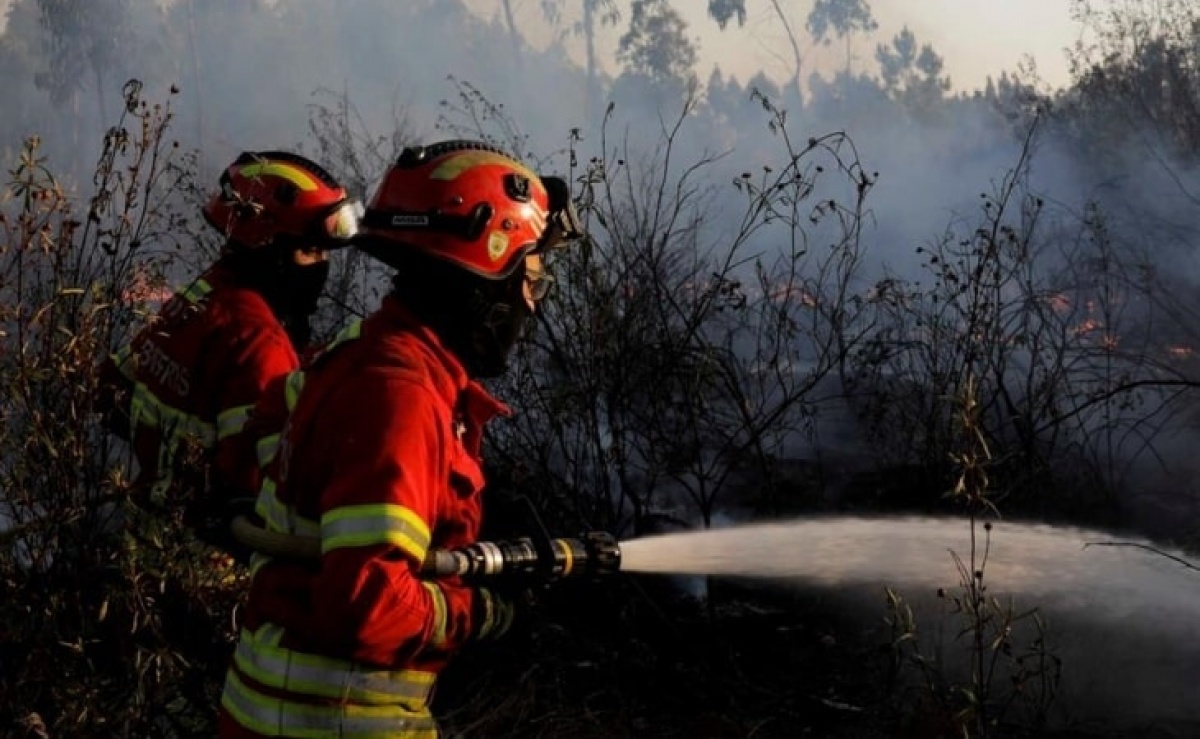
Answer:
x=466 y=202
x=268 y=194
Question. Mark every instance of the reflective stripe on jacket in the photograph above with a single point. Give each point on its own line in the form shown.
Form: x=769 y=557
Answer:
x=276 y=691
x=379 y=457
x=194 y=374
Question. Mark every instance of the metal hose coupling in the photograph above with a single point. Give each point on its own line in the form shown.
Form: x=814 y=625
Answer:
x=594 y=553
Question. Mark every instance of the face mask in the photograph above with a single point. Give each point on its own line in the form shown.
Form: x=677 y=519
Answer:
x=302 y=286
x=494 y=339
x=299 y=291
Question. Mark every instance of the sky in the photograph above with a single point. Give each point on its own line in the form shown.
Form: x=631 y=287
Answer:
x=977 y=38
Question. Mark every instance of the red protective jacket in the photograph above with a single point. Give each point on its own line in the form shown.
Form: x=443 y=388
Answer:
x=380 y=459
x=189 y=379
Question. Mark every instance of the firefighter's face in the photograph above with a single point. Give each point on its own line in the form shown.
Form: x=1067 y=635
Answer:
x=306 y=256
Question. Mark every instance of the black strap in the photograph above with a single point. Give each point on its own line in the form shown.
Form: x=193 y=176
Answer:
x=469 y=226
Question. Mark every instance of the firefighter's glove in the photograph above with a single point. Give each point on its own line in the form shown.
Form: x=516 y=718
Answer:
x=493 y=614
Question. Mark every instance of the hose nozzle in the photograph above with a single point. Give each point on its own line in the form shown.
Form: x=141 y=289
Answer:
x=593 y=553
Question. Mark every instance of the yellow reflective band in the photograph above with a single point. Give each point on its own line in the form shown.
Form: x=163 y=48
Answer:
x=382 y=523
x=259 y=656
x=121 y=359
x=289 y=172
x=489 y=613
x=291 y=389
x=348 y=334
x=175 y=425
x=265 y=449
x=281 y=517
x=196 y=291
x=258 y=560
x=274 y=716
x=567 y=555
x=440 y=612
x=463 y=161
x=232 y=420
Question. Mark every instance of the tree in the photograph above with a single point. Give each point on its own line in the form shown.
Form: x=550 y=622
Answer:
x=90 y=37
x=595 y=13
x=843 y=18
x=722 y=11
x=912 y=74
x=656 y=47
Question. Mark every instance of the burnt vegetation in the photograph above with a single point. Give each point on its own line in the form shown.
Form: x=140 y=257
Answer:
x=743 y=336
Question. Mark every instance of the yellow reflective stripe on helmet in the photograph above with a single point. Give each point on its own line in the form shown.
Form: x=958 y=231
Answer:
x=232 y=420
x=381 y=523
x=280 y=516
x=147 y=409
x=462 y=161
x=265 y=449
x=289 y=172
x=259 y=656
x=275 y=716
x=440 y=612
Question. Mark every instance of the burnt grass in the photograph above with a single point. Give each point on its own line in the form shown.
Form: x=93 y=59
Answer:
x=627 y=657
x=631 y=657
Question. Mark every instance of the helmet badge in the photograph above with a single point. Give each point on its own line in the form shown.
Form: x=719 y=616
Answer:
x=497 y=245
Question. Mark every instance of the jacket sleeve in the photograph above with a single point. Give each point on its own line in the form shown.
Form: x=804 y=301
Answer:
x=390 y=474
x=256 y=360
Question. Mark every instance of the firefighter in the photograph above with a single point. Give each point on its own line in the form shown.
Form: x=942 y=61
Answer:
x=181 y=390
x=380 y=459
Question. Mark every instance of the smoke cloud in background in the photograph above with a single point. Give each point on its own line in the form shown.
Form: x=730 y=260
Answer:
x=252 y=74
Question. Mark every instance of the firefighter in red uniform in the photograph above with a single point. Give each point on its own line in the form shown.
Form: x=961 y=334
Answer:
x=380 y=460
x=181 y=390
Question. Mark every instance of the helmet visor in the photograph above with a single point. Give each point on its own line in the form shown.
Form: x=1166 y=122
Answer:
x=342 y=223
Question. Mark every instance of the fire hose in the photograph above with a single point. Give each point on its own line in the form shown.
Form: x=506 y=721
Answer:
x=543 y=559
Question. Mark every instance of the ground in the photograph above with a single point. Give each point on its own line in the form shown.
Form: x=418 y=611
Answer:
x=627 y=659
